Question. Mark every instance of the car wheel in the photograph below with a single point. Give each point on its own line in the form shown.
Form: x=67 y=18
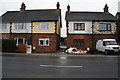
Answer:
x=106 y=52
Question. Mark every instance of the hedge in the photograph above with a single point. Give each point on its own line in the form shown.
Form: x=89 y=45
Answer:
x=8 y=45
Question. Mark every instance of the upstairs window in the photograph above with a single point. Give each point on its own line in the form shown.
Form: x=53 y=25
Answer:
x=105 y=27
x=79 y=26
x=44 y=25
x=3 y=26
x=20 y=26
x=43 y=42
x=78 y=42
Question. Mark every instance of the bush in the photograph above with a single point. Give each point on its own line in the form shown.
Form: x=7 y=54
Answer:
x=8 y=45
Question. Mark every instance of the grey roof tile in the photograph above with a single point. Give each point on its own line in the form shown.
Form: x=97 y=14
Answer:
x=89 y=16
x=31 y=15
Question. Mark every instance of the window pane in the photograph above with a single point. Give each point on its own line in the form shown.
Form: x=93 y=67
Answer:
x=41 y=42
x=82 y=26
x=16 y=27
x=79 y=27
x=74 y=42
x=0 y=26
x=20 y=25
x=103 y=26
x=20 y=41
x=44 y=42
x=44 y=25
x=24 y=26
x=82 y=42
x=75 y=26
x=47 y=42
x=4 y=26
x=109 y=27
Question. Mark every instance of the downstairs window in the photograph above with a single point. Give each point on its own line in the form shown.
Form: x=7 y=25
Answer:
x=43 y=42
x=78 y=42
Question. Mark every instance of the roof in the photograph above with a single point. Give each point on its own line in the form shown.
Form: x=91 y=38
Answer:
x=31 y=15
x=89 y=16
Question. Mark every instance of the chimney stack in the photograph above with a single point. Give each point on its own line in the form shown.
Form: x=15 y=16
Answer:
x=58 y=5
x=68 y=8
x=118 y=15
x=106 y=8
x=22 y=7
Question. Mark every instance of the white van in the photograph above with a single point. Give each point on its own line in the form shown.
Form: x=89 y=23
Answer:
x=107 y=46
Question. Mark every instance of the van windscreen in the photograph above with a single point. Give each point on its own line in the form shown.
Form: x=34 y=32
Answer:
x=110 y=43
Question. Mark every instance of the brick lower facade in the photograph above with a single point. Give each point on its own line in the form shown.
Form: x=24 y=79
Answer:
x=89 y=40
x=33 y=39
x=53 y=42
x=5 y=35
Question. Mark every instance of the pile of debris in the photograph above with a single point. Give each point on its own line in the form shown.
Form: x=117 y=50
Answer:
x=74 y=50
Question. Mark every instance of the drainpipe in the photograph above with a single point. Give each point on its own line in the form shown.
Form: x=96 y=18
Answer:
x=92 y=37
x=31 y=37
x=10 y=29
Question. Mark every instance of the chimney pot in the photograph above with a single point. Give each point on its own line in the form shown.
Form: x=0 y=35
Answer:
x=58 y=5
x=22 y=7
x=106 y=8
x=68 y=8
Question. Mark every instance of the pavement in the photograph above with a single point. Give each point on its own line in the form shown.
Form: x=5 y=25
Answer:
x=56 y=54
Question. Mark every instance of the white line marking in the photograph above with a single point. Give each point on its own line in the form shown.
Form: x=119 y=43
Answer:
x=60 y=66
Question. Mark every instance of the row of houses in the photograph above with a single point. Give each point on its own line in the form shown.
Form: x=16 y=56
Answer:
x=42 y=28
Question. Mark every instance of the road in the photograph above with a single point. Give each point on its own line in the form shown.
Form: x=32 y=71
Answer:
x=61 y=66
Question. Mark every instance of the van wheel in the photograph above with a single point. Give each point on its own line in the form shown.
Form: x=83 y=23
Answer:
x=97 y=51
x=106 y=52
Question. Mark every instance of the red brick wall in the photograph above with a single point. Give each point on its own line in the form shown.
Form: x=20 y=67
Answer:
x=88 y=40
x=118 y=30
x=20 y=35
x=5 y=35
x=53 y=42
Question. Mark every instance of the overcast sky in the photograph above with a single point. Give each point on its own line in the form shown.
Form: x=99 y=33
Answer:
x=75 y=5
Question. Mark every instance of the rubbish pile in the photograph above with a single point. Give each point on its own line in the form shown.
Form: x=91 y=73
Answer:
x=74 y=50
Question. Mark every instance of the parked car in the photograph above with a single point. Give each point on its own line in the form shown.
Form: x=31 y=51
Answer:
x=107 y=46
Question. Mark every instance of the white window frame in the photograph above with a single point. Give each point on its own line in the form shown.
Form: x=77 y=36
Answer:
x=20 y=38
x=20 y=26
x=45 y=39
x=44 y=26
